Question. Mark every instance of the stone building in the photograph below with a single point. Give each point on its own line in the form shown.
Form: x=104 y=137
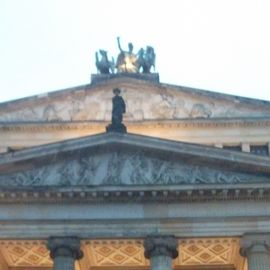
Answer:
x=187 y=187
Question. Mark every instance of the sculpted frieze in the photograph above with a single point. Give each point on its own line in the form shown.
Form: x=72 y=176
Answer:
x=120 y=168
x=142 y=104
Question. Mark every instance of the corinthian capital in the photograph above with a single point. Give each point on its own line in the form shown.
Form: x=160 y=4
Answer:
x=156 y=245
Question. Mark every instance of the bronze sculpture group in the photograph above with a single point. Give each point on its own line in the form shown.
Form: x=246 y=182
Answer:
x=127 y=61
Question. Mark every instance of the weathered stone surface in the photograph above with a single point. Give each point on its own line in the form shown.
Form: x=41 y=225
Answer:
x=145 y=101
x=132 y=220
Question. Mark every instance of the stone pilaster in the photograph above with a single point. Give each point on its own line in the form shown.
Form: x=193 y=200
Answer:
x=64 y=251
x=255 y=247
x=160 y=250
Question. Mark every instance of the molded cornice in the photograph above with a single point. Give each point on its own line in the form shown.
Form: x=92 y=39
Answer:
x=92 y=125
x=160 y=194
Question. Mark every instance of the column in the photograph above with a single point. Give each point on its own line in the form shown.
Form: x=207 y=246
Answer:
x=255 y=247
x=64 y=251
x=161 y=250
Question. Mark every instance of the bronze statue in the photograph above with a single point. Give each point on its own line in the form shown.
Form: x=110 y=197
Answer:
x=118 y=109
x=126 y=60
x=103 y=65
x=146 y=59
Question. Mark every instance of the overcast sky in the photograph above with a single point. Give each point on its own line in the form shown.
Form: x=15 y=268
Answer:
x=217 y=45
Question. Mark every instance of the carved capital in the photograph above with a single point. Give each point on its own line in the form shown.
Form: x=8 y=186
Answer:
x=258 y=243
x=65 y=247
x=156 y=245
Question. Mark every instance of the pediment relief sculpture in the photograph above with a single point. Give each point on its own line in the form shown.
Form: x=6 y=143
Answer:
x=120 y=168
x=141 y=104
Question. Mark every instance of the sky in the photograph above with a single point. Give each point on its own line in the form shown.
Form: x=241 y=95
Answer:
x=216 y=45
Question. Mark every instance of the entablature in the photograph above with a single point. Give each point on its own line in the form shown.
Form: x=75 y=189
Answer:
x=138 y=194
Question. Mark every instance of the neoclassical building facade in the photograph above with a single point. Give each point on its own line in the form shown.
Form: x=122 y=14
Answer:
x=186 y=188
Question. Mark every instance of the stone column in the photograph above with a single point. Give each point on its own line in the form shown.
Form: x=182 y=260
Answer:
x=255 y=247
x=161 y=250
x=64 y=251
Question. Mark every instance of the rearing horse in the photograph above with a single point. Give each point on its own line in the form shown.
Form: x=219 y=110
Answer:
x=103 y=65
x=146 y=59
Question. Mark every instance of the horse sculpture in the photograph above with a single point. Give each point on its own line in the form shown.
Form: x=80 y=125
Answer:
x=103 y=65
x=127 y=61
x=146 y=59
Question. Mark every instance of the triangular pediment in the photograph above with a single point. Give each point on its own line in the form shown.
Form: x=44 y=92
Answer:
x=129 y=160
x=145 y=100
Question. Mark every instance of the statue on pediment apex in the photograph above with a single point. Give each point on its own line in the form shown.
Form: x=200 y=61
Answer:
x=103 y=65
x=126 y=60
x=129 y=62
x=146 y=59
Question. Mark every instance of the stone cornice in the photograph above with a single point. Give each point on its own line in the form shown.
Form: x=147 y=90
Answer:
x=161 y=194
x=152 y=124
x=127 y=81
x=214 y=155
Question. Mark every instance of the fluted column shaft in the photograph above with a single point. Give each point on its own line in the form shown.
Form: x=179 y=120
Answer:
x=161 y=250
x=64 y=251
x=255 y=247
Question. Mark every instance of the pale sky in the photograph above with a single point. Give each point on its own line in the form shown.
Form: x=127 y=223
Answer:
x=216 y=45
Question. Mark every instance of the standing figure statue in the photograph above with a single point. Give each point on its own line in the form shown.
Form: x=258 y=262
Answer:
x=118 y=109
x=103 y=65
x=126 y=60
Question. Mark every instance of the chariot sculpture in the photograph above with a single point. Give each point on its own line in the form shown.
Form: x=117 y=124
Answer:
x=127 y=61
